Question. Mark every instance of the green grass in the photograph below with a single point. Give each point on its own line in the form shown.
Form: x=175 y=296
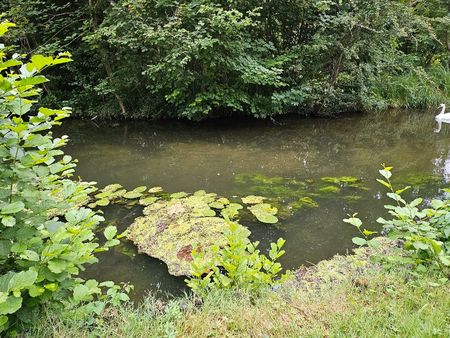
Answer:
x=420 y=88
x=347 y=296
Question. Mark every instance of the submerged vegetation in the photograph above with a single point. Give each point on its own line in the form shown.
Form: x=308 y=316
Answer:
x=201 y=58
x=291 y=195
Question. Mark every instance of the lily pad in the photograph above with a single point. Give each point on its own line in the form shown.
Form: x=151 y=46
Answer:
x=132 y=195
x=112 y=187
x=264 y=212
x=231 y=211
x=252 y=199
x=148 y=200
x=140 y=189
x=155 y=190
x=219 y=203
x=103 y=202
x=178 y=195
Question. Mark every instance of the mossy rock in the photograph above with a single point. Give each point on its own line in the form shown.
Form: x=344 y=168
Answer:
x=169 y=230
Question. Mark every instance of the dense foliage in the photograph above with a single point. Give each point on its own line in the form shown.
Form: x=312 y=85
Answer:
x=423 y=232
x=199 y=58
x=237 y=265
x=46 y=236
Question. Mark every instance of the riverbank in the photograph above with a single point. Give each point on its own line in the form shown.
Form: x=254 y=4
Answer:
x=346 y=296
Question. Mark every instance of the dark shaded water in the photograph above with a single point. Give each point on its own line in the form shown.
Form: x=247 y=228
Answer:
x=181 y=156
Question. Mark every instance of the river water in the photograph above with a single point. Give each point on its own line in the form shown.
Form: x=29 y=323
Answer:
x=215 y=155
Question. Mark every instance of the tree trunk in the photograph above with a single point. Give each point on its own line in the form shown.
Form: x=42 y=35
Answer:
x=104 y=56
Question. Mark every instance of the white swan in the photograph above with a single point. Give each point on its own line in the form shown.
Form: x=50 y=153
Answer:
x=441 y=117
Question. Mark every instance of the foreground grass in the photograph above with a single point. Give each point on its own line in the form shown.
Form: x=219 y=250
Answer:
x=347 y=296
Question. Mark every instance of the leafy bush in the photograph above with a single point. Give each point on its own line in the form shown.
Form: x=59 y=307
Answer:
x=200 y=58
x=238 y=264
x=46 y=236
x=423 y=232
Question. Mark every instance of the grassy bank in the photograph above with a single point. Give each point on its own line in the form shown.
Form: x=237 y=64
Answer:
x=346 y=296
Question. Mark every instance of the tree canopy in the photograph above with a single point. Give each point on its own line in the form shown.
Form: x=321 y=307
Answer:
x=203 y=58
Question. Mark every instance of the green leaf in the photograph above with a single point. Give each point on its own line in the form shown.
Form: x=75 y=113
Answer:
x=40 y=61
x=35 y=291
x=280 y=242
x=3 y=322
x=11 y=305
x=57 y=265
x=386 y=184
x=8 y=221
x=110 y=232
x=385 y=173
x=5 y=248
x=264 y=213
x=103 y=202
x=30 y=255
x=13 y=208
x=23 y=279
x=374 y=243
x=252 y=199
x=80 y=293
x=354 y=221
x=368 y=232
x=112 y=242
x=155 y=190
x=148 y=200
x=132 y=195
x=178 y=195
x=31 y=81
x=359 y=241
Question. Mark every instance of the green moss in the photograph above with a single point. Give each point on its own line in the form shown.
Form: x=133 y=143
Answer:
x=169 y=230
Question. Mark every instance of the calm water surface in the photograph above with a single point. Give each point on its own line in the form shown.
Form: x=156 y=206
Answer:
x=181 y=156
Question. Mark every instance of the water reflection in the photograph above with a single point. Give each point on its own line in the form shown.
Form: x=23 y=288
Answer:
x=181 y=156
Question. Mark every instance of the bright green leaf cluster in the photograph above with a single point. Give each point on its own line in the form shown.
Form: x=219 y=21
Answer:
x=46 y=238
x=238 y=264
x=423 y=232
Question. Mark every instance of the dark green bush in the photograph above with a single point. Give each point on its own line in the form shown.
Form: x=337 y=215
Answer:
x=201 y=58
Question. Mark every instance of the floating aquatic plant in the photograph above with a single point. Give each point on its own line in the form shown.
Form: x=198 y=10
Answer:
x=252 y=199
x=290 y=194
x=264 y=212
x=307 y=202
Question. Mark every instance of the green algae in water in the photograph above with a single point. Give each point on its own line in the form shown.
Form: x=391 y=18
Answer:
x=330 y=188
x=340 y=180
x=290 y=194
x=352 y=198
x=417 y=179
x=169 y=230
x=302 y=202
